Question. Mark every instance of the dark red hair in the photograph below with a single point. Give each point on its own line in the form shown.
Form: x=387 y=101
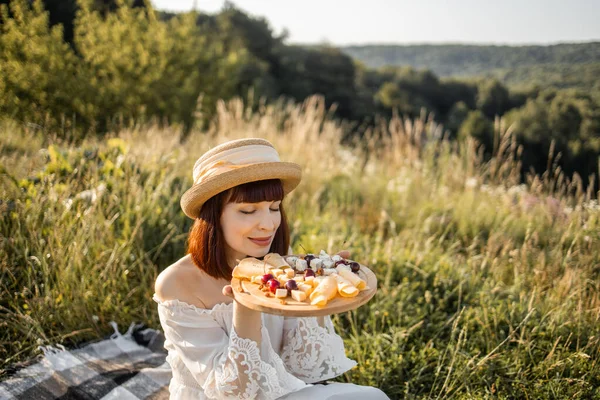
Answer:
x=206 y=242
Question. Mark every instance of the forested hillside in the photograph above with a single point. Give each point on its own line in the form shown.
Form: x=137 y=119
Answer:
x=567 y=65
x=460 y=59
x=561 y=76
x=74 y=68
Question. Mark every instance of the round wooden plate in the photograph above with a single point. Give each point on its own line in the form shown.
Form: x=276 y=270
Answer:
x=249 y=295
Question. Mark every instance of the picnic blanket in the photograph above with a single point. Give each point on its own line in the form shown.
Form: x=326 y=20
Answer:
x=126 y=366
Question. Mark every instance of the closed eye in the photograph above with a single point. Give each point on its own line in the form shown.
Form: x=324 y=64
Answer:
x=252 y=212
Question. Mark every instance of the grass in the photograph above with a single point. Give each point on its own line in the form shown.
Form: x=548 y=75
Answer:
x=488 y=288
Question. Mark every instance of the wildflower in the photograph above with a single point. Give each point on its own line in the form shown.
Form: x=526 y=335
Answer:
x=591 y=205
x=568 y=210
x=87 y=195
x=91 y=195
x=470 y=183
x=120 y=160
x=67 y=203
x=428 y=296
x=118 y=143
x=516 y=190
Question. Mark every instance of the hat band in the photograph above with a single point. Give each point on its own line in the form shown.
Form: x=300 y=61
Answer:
x=233 y=159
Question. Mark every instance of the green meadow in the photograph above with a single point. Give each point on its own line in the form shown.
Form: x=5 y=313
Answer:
x=488 y=286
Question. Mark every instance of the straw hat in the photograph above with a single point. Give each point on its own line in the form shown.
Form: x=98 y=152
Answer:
x=234 y=163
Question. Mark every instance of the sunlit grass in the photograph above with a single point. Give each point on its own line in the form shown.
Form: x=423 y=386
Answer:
x=488 y=288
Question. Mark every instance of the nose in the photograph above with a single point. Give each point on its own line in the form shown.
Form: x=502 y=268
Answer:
x=266 y=223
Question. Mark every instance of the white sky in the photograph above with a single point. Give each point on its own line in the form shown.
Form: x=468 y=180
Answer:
x=343 y=22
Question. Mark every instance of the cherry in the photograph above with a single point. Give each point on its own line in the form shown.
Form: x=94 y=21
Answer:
x=273 y=285
x=308 y=258
x=266 y=278
x=338 y=262
x=355 y=266
x=291 y=285
x=309 y=272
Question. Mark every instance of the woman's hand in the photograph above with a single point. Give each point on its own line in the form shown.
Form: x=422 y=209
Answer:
x=247 y=322
x=344 y=254
x=227 y=291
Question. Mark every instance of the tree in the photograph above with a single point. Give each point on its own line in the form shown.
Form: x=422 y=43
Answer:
x=319 y=70
x=457 y=115
x=477 y=126
x=492 y=98
x=40 y=75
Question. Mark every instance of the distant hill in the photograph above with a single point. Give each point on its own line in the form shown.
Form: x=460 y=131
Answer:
x=560 y=76
x=512 y=63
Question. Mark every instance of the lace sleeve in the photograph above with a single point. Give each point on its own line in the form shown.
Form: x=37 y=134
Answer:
x=311 y=352
x=227 y=366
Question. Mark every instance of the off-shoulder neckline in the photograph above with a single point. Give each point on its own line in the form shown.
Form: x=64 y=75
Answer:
x=179 y=304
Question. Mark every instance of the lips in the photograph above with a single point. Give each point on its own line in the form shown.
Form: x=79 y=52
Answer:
x=264 y=241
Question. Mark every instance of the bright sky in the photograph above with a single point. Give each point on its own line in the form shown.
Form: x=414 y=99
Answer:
x=343 y=22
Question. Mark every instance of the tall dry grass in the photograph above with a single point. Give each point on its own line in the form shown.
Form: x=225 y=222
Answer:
x=488 y=287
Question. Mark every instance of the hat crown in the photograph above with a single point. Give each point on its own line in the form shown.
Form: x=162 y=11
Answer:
x=235 y=163
x=232 y=155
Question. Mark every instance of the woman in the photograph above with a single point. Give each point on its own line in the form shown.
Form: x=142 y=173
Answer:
x=217 y=347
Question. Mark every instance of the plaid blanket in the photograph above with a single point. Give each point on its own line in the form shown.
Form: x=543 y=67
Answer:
x=124 y=366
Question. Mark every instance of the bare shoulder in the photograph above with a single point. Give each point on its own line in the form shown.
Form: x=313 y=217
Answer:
x=177 y=282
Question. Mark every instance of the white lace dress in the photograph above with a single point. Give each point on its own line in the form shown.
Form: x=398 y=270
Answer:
x=209 y=360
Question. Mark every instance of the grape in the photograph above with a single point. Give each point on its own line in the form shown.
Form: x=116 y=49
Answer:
x=273 y=285
x=355 y=266
x=309 y=272
x=308 y=258
x=291 y=285
x=266 y=278
x=338 y=262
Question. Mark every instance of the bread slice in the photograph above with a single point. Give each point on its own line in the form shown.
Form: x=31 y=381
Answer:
x=249 y=267
x=276 y=261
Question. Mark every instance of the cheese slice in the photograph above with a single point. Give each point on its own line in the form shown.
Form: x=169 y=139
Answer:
x=298 y=295
x=325 y=291
x=353 y=278
x=345 y=288
x=308 y=289
x=276 y=271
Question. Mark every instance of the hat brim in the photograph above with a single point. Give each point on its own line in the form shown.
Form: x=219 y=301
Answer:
x=192 y=200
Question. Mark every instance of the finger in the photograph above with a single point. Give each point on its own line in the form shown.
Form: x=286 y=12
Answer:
x=228 y=291
x=344 y=253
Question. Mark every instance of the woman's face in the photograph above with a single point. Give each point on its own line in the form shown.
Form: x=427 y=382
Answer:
x=249 y=228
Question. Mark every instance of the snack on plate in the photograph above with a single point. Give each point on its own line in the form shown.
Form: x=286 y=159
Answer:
x=352 y=277
x=248 y=268
x=325 y=291
x=345 y=288
x=276 y=260
x=311 y=279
